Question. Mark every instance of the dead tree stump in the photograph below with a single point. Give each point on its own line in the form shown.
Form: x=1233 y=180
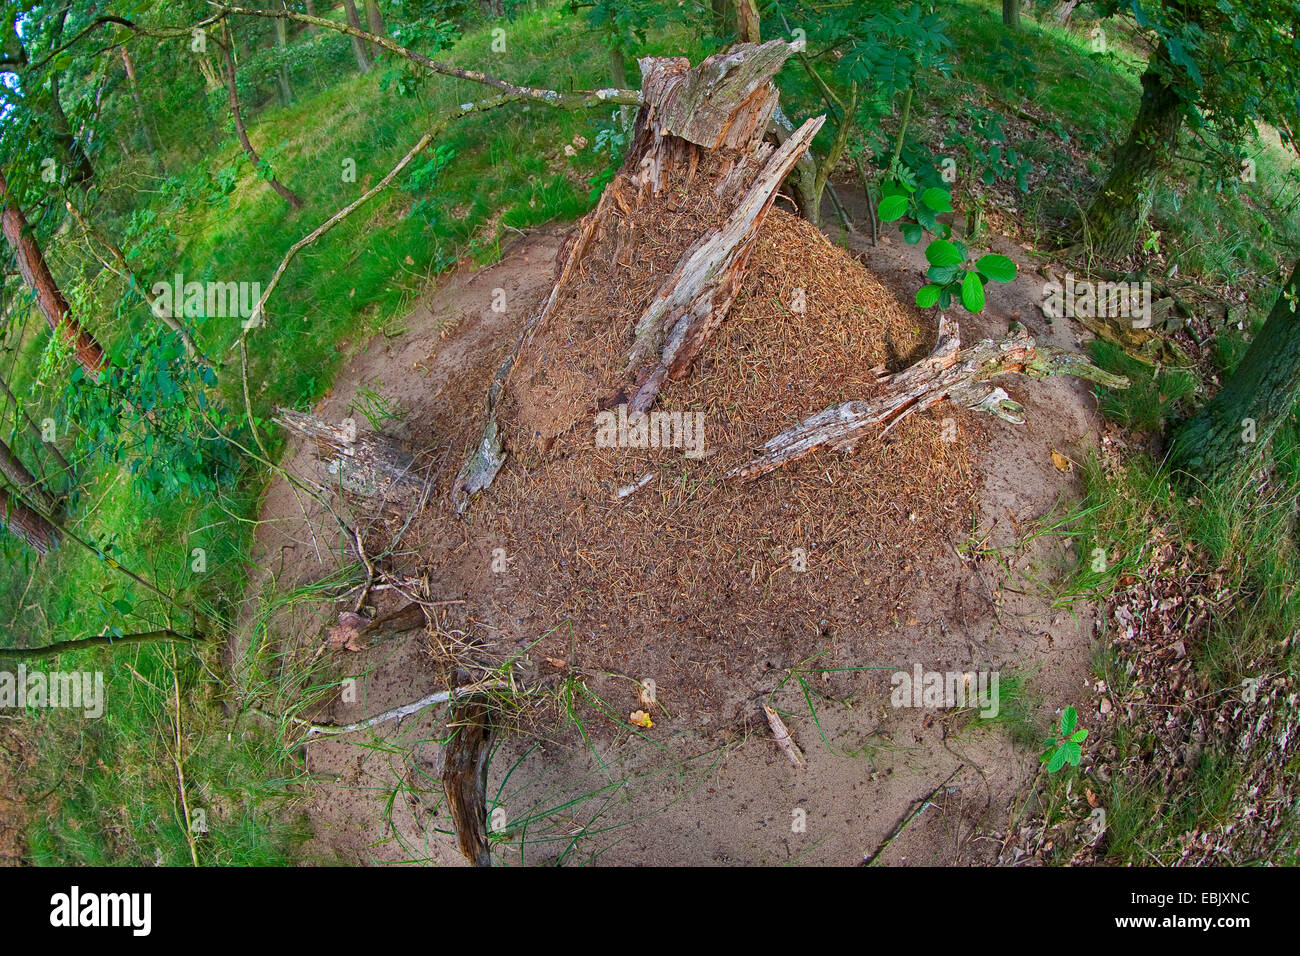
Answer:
x=372 y=466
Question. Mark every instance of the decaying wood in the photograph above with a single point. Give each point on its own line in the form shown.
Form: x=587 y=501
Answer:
x=696 y=297
x=783 y=739
x=725 y=104
x=367 y=464
x=949 y=373
x=464 y=777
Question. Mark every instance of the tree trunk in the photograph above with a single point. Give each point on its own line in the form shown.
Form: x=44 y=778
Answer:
x=139 y=113
x=31 y=263
x=747 y=25
x=1119 y=213
x=375 y=24
x=311 y=12
x=17 y=475
x=617 y=67
x=282 y=88
x=358 y=45
x=32 y=428
x=287 y=194
x=20 y=520
x=1011 y=14
x=1239 y=421
x=699 y=139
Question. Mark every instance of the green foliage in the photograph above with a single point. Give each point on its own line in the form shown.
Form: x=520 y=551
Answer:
x=151 y=410
x=951 y=278
x=1066 y=747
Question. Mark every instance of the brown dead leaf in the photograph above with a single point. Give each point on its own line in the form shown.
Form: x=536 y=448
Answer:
x=1060 y=461
x=641 y=719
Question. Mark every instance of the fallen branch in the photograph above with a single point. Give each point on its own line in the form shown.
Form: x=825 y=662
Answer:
x=99 y=640
x=316 y=731
x=949 y=373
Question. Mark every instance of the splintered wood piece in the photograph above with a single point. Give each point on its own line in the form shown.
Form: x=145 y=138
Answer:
x=369 y=465
x=783 y=739
x=696 y=297
x=949 y=373
x=464 y=777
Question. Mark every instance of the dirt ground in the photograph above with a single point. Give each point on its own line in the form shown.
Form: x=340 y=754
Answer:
x=705 y=784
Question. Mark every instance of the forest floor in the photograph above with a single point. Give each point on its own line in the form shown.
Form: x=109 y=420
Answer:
x=907 y=576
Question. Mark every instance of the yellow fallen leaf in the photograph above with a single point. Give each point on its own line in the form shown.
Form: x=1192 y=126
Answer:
x=1060 y=461
x=641 y=719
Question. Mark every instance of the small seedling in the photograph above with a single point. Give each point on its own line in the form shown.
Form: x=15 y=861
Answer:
x=1065 y=748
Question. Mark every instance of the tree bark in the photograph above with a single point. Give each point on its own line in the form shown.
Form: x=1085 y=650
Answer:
x=24 y=481
x=282 y=89
x=747 y=25
x=375 y=24
x=287 y=194
x=32 y=428
x=1259 y=396
x=20 y=520
x=358 y=45
x=55 y=308
x=1119 y=213
x=464 y=777
x=1011 y=14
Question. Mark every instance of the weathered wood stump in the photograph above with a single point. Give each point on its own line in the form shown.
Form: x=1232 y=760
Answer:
x=370 y=465
x=713 y=118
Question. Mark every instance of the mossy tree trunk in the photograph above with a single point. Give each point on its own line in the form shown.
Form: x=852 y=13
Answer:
x=1258 y=397
x=1119 y=213
x=1011 y=14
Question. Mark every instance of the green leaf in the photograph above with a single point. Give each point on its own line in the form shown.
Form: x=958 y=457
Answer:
x=1080 y=736
x=891 y=208
x=945 y=299
x=912 y=233
x=943 y=274
x=1069 y=720
x=927 y=295
x=123 y=607
x=972 y=292
x=995 y=267
x=1057 y=761
x=941 y=252
x=937 y=199
x=1073 y=753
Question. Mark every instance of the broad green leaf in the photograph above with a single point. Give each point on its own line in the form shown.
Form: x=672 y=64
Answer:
x=943 y=274
x=941 y=252
x=1057 y=761
x=972 y=292
x=1069 y=719
x=912 y=233
x=891 y=208
x=927 y=295
x=1080 y=736
x=937 y=199
x=995 y=267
